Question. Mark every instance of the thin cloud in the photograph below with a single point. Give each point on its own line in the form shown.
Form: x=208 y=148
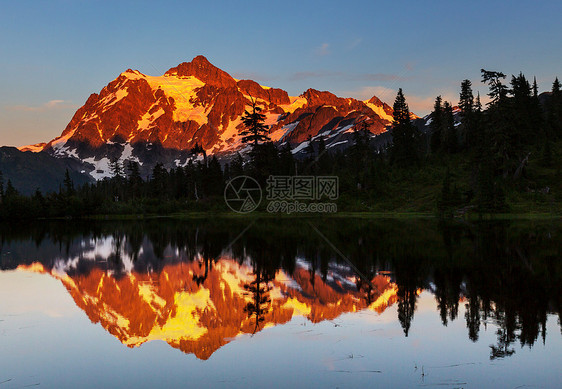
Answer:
x=298 y=76
x=253 y=76
x=366 y=92
x=48 y=106
x=355 y=43
x=323 y=50
x=420 y=105
x=410 y=66
x=381 y=77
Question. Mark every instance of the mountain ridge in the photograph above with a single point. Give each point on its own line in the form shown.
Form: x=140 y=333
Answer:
x=150 y=119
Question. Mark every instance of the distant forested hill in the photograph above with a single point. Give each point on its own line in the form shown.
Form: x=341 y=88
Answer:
x=30 y=171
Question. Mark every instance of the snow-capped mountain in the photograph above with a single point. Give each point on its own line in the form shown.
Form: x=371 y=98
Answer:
x=152 y=119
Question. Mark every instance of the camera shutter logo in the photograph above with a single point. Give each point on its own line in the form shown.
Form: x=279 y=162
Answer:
x=242 y=194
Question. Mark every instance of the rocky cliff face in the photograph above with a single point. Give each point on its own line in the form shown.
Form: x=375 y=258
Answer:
x=153 y=119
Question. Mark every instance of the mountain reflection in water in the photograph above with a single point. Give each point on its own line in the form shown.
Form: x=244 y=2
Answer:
x=198 y=285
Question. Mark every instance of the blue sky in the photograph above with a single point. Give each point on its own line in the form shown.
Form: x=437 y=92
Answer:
x=54 y=54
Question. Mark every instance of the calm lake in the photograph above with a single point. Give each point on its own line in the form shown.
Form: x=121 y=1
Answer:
x=260 y=303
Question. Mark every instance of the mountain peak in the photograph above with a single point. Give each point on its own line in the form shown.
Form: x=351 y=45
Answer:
x=201 y=68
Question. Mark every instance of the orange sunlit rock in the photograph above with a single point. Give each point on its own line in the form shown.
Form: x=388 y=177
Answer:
x=200 y=318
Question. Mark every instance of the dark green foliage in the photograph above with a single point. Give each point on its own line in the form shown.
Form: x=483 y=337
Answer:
x=255 y=131
x=554 y=110
x=199 y=150
x=310 y=151
x=405 y=137
x=237 y=166
x=134 y=180
x=501 y=158
x=449 y=129
x=466 y=101
x=498 y=91
x=287 y=161
x=436 y=126
x=10 y=192
x=68 y=184
x=546 y=157
x=264 y=161
x=116 y=169
x=467 y=114
x=28 y=170
x=450 y=196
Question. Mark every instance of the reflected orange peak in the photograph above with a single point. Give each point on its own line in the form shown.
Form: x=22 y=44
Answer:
x=198 y=312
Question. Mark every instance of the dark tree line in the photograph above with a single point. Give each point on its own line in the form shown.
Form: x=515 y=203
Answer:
x=495 y=272
x=497 y=142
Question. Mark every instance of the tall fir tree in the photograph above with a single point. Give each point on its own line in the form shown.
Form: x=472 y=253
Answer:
x=436 y=126
x=554 y=110
x=498 y=129
x=466 y=100
x=237 y=166
x=10 y=192
x=523 y=131
x=116 y=169
x=449 y=129
x=537 y=114
x=286 y=160
x=466 y=106
x=309 y=150
x=68 y=184
x=134 y=179
x=199 y=150
x=405 y=137
x=498 y=91
x=255 y=131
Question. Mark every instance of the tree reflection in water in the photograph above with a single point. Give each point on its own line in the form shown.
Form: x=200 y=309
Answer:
x=508 y=274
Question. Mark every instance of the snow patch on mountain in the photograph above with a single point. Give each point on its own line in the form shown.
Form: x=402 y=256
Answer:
x=101 y=167
x=379 y=110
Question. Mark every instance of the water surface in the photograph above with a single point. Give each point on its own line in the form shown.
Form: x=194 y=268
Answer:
x=262 y=303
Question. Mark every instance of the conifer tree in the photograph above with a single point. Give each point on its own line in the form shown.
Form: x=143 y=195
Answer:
x=10 y=191
x=68 y=184
x=498 y=91
x=310 y=151
x=237 y=166
x=498 y=134
x=522 y=116
x=555 y=109
x=198 y=149
x=476 y=135
x=449 y=129
x=537 y=114
x=159 y=181
x=286 y=160
x=466 y=106
x=213 y=179
x=255 y=131
x=405 y=137
x=116 y=169
x=436 y=126
x=134 y=179
x=466 y=101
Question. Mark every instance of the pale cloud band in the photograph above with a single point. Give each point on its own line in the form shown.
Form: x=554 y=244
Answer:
x=48 y=106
